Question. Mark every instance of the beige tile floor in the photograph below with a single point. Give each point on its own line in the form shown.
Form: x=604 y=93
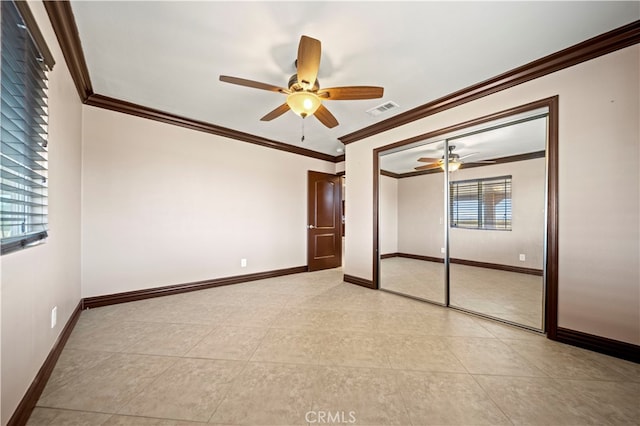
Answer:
x=286 y=350
x=506 y=295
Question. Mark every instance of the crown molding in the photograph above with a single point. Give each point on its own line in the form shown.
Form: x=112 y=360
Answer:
x=66 y=30
x=608 y=42
x=130 y=108
x=390 y=174
x=471 y=165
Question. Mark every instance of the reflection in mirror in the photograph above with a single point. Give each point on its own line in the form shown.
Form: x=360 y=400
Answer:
x=497 y=222
x=411 y=224
x=473 y=238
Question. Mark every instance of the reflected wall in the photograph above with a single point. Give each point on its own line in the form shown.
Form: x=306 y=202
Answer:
x=499 y=272
x=414 y=265
x=487 y=259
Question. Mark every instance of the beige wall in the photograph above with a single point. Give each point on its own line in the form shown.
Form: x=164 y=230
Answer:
x=166 y=205
x=388 y=211
x=420 y=215
x=599 y=278
x=36 y=279
x=528 y=214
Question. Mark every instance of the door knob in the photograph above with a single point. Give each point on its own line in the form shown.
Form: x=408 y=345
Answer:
x=310 y=226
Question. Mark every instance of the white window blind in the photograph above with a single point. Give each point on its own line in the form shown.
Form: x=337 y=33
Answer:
x=23 y=123
x=481 y=203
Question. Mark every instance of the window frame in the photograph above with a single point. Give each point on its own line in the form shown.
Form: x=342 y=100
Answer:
x=478 y=216
x=24 y=105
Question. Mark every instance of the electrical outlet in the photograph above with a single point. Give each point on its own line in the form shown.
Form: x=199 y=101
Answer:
x=522 y=257
x=243 y=263
x=54 y=316
x=442 y=250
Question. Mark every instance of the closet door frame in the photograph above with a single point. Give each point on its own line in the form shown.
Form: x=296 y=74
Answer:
x=550 y=314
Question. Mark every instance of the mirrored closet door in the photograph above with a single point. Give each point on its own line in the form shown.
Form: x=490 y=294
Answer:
x=411 y=226
x=497 y=221
x=473 y=238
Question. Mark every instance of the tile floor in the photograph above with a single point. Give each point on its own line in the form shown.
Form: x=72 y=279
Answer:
x=507 y=295
x=310 y=349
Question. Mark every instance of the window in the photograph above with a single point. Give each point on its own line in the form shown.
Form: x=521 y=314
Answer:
x=481 y=203
x=23 y=124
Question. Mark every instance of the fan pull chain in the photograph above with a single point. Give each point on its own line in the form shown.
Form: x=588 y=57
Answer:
x=302 y=138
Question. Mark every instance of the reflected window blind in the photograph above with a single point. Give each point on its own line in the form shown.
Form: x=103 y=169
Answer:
x=23 y=122
x=481 y=203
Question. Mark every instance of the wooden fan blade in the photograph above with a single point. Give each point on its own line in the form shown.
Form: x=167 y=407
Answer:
x=252 y=83
x=429 y=160
x=481 y=162
x=308 y=61
x=351 y=93
x=428 y=167
x=326 y=117
x=276 y=112
x=467 y=156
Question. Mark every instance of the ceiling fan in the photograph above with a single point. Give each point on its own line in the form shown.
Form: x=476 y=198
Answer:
x=304 y=96
x=455 y=161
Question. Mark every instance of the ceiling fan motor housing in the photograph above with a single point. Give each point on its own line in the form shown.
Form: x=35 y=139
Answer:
x=452 y=156
x=303 y=96
x=294 y=86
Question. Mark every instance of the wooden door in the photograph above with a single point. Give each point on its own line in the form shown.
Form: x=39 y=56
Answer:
x=324 y=224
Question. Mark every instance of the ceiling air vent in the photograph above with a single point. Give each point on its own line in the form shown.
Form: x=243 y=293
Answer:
x=382 y=108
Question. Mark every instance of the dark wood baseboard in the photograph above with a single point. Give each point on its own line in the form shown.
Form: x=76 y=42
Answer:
x=508 y=268
x=351 y=279
x=22 y=413
x=30 y=398
x=412 y=256
x=603 y=345
x=388 y=255
x=130 y=296
x=420 y=257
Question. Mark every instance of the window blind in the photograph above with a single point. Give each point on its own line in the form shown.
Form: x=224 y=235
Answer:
x=481 y=203
x=23 y=124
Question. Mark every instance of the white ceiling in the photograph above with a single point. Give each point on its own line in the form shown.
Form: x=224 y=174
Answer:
x=168 y=55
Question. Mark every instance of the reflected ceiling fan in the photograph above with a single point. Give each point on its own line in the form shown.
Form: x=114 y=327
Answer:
x=455 y=161
x=304 y=96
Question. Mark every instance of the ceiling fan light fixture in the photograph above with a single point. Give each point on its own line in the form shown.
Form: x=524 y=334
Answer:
x=303 y=103
x=453 y=166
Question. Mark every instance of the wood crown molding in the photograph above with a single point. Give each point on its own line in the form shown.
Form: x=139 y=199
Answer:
x=501 y=160
x=130 y=108
x=608 y=42
x=64 y=25
x=387 y=173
